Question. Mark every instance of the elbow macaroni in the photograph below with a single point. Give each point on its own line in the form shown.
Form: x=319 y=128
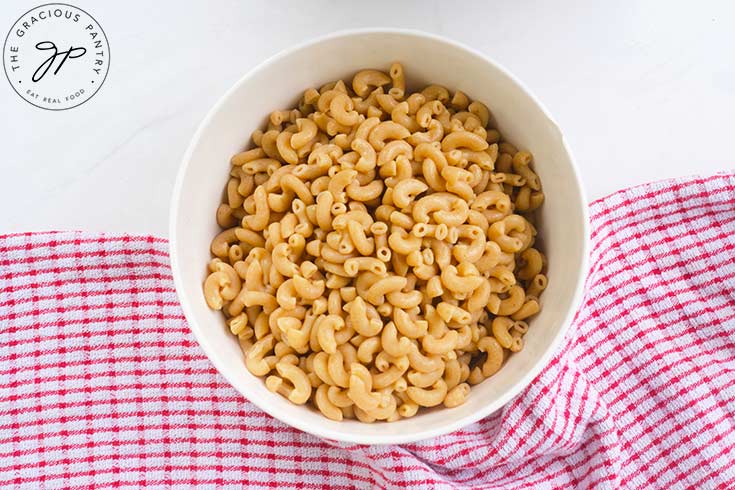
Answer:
x=378 y=249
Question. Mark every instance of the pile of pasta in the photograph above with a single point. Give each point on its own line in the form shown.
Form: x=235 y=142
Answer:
x=378 y=248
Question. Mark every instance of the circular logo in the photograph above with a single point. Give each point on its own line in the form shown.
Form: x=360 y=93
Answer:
x=56 y=56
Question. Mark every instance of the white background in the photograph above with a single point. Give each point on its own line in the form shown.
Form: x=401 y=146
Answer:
x=642 y=90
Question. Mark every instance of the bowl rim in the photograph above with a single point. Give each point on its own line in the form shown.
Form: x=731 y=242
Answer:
x=375 y=438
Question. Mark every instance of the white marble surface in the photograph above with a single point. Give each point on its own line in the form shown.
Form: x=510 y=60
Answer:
x=643 y=91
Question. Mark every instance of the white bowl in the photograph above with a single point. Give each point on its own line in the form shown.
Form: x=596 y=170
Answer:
x=278 y=83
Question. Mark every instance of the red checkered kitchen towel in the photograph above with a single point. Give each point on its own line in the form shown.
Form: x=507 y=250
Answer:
x=102 y=385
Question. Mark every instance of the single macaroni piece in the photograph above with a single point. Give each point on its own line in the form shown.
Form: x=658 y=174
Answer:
x=436 y=92
x=400 y=115
x=457 y=395
x=360 y=388
x=325 y=405
x=223 y=284
x=365 y=79
x=428 y=397
x=398 y=80
x=385 y=131
x=378 y=249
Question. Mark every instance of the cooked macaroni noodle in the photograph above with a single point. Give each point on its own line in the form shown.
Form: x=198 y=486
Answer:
x=378 y=252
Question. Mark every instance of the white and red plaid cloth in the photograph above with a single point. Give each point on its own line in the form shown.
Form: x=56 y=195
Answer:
x=102 y=385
